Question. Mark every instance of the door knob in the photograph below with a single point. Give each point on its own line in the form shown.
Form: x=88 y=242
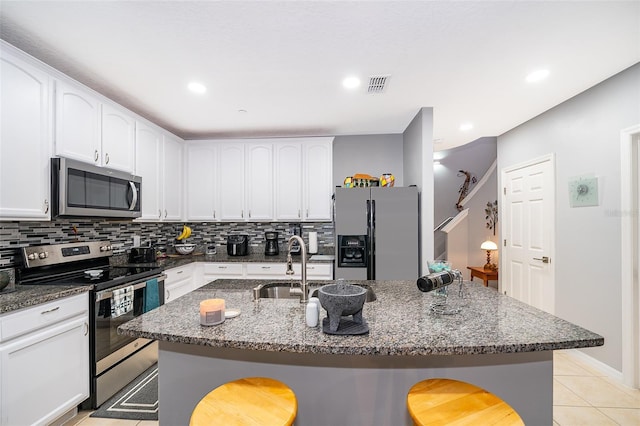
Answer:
x=544 y=259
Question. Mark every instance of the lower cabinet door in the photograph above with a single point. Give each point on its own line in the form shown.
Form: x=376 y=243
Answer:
x=44 y=374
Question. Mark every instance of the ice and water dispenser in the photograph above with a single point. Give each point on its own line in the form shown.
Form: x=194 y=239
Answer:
x=352 y=251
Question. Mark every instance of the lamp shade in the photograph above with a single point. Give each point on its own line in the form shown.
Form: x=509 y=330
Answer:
x=489 y=245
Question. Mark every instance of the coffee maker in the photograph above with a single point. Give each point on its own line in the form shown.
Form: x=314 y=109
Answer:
x=271 y=243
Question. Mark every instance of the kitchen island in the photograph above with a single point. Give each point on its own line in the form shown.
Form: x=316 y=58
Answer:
x=494 y=342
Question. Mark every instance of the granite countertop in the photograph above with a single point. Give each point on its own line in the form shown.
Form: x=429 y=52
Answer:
x=400 y=323
x=222 y=257
x=26 y=296
x=30 y=295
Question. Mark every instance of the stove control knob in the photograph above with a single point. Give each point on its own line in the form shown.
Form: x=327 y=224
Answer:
x=32 y=256
x=105 y=248
x=43 y=254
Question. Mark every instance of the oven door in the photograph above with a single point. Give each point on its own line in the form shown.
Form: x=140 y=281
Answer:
x=115 y=306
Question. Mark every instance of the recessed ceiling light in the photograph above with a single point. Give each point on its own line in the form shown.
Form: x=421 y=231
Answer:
x=537 y=75
x=196 y=87
x=351 y=82
x=466 y=126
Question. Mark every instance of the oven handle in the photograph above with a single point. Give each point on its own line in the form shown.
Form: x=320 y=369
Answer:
x=107 y=294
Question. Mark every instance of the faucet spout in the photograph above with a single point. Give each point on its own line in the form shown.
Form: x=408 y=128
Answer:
x=304 y=297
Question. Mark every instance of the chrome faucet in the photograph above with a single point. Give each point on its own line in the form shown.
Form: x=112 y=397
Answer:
x=304 y=287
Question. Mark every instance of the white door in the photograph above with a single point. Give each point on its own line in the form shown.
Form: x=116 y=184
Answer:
x=288 y=181
x=77 y=124
x=148 y=150
x=25 y=141
x=318 y=180
x=528 y=233
x=232 y=174
x=172 y=179
x=118 y=135
x=201 y=188
x=258 y=183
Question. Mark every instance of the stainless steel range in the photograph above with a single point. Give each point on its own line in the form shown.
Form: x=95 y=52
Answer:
x=119 y=294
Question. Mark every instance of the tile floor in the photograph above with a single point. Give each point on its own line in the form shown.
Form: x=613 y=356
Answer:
x=582 y=396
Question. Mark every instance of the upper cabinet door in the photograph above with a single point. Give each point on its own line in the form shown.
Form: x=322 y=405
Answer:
x=77 y=124
x=318 y=188
x=25 y=140
x=232 y=174
x=259 y=181
x=172 y=179
x=201 y=187
x=118 y=135
x=288 y=181
x=148 y=161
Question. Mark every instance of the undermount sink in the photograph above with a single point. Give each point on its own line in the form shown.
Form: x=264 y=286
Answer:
x=284 y=290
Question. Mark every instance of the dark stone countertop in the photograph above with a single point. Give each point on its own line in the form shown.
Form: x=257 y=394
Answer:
x=30 y=295
x=400 y=323
x=26 y=296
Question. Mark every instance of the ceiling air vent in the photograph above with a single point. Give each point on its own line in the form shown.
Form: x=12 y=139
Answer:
x=377 y=83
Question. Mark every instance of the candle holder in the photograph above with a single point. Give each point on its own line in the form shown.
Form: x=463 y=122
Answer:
x=212 y=312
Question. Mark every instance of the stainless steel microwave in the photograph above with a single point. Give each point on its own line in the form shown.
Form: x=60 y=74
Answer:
x=80 y=189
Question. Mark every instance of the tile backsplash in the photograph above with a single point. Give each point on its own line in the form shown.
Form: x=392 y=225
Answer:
x=15 y=235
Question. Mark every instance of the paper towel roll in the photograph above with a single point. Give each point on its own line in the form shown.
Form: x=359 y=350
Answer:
x=313 y=242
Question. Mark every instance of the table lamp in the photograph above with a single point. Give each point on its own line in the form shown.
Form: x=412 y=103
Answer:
x=488 y=246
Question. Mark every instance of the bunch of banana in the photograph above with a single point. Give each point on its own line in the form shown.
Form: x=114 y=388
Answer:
x=186 y=233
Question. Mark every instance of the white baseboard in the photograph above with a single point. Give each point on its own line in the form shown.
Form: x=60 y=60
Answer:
x=598 y=365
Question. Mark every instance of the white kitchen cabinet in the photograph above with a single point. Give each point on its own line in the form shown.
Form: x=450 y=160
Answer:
x=44 y=354
x=232 y=163
x=159 y=161
x=202 y=181
x=258 y=182
x=179 y=281
x=317 y=179
x=77 y=123
x=172 y=178
x=25 y=139
x=288 y=181
x=148 y=162
x=118 y=136
x=213 y=271
x=267 y=270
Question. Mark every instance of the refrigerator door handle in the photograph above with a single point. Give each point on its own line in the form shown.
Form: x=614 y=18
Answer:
x=372 y=258
x=369 y=242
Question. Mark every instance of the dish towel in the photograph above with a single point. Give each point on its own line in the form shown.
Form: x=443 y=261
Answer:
x=121 y=301
x=151 y=295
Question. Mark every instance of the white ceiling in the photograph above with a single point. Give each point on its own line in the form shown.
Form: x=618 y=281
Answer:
x=283 y=61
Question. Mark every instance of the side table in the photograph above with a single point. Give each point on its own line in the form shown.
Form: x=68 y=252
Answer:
x=480 y=272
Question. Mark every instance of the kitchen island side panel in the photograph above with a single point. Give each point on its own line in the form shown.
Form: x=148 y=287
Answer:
x=351 y=389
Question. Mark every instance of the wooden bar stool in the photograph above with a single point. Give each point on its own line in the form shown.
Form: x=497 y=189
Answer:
x=451 y=402
x=249 y=401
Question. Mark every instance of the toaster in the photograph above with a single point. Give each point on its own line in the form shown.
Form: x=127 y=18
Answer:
x=238 y=245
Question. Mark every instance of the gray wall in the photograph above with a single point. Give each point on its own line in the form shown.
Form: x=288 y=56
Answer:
x=370 y=154
x=584 y=135
x=418 y=170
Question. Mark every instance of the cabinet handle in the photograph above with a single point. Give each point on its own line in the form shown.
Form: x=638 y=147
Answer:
x=307 y=213
x=242 y=214
x=96 y=155
x=50 y=310
x=46 y=206
x=86 y=328
x=106 y=158
x=214 y=214
x=222 y=267
x=266 y=267
x=159 y=214
x=165 y=213
x=179 y=272
x=298 y=213
x=249 y=214
x=168 y=295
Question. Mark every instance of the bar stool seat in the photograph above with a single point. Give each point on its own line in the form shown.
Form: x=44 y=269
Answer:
x=452 y=402
x=248 y=401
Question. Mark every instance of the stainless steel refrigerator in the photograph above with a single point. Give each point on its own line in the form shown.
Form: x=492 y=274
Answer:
x=376 y=232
